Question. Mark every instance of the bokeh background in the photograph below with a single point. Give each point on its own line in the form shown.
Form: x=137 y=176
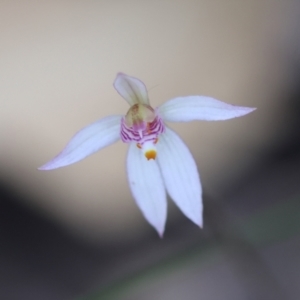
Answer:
x=75 y=232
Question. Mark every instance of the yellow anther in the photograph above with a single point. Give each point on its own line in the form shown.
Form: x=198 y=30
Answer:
x=150 y=154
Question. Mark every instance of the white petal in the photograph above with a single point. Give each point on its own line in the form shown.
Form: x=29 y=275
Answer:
x=185 y=109
x=87 y=141
x=147 y=187
x=131 y=89
x=180 y=175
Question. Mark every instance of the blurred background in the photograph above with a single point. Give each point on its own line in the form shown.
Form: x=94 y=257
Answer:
x=75 y=232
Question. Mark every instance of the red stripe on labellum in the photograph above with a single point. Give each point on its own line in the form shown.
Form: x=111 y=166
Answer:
x=150 y=133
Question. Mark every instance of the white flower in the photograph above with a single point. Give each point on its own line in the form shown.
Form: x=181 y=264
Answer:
x=158 y=161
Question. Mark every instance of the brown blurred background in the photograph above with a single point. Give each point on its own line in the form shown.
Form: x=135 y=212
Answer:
x=77 y=231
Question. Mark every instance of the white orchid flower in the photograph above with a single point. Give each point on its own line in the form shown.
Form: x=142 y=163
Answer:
x=158 y=161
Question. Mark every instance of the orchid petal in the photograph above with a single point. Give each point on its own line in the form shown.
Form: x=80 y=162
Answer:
x=131 y=89
x=180 y=175
x=87 y=141
x=147 y=188
x=185 y=109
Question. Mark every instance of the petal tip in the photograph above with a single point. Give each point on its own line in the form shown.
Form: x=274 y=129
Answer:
x=47 y=167
x=160 y=229
x=241 y=111
x=200 y=224
x=121 y=74
x=250 y=109
x=42 y=168
x=118 y=77
x=198 y=221
x=161 y=234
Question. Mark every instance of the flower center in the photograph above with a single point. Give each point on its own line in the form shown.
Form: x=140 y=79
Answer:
x=143 y=126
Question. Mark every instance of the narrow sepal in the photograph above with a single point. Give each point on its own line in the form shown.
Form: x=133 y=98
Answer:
x=87 y=141
x=180 y=175
x=147 y=188
x=185 y=109
x=131 y=89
